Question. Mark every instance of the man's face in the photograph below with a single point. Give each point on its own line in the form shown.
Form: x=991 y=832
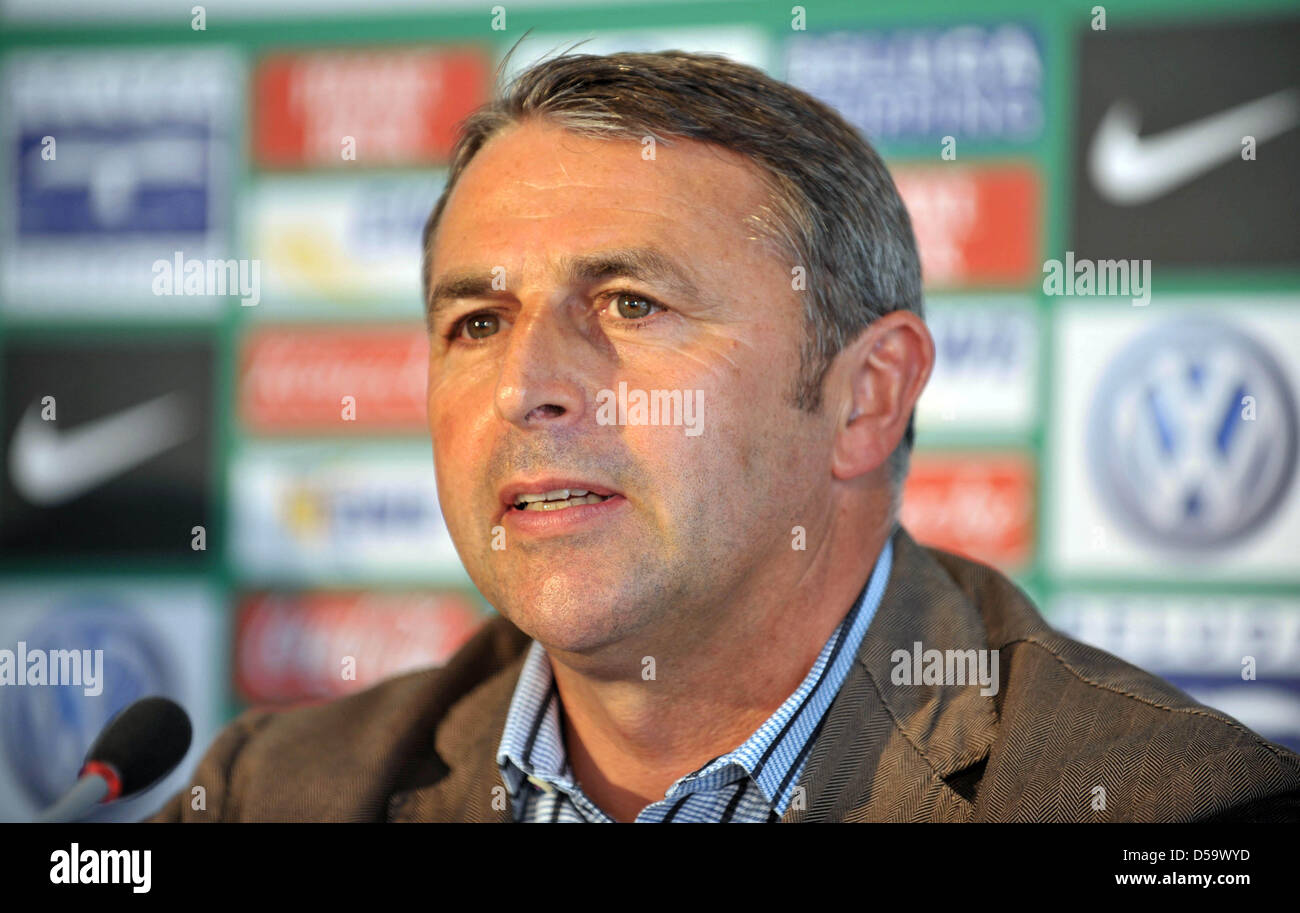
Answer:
x=696 y=520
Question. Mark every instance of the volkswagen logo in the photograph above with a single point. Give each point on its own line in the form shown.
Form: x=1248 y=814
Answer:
x=1192 y=435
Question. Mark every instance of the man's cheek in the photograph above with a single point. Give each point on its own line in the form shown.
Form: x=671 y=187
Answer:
x=458 y=507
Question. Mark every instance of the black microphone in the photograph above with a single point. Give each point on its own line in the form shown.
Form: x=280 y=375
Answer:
x=139 y=746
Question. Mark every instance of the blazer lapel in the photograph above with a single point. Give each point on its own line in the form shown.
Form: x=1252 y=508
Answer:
x=903 y=752
x=467 y=740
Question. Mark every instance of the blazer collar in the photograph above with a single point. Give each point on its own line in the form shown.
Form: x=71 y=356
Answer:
x=884 y=751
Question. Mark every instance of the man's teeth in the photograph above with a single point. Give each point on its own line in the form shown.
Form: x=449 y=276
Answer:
x=558 y=499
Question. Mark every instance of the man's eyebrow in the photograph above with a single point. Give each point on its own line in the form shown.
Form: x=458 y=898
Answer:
x=643 y=264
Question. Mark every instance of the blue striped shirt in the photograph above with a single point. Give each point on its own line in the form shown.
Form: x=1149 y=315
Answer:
x=753 y=783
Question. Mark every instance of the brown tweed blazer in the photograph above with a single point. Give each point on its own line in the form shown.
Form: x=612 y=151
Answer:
x=1067 y=718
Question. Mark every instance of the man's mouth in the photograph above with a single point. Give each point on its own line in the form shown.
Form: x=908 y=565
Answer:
x=559 y=499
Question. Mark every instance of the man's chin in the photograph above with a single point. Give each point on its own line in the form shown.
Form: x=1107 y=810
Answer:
x=569 y=612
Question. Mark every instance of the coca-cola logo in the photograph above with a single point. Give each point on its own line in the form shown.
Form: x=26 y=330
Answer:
x=300 y=379
x=292 y=648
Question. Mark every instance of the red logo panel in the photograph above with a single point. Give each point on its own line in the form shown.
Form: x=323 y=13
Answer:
x=975 y=225
x=295 y=380
x=400 y=107
x=977 y=505
x=296 y=648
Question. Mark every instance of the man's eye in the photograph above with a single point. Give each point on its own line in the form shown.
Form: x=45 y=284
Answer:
x=631 y=306
x=477 y=326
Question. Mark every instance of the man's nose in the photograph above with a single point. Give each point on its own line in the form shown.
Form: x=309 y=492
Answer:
x=540 y=380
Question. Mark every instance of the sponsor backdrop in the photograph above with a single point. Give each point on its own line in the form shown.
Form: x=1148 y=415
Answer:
x=214 y=463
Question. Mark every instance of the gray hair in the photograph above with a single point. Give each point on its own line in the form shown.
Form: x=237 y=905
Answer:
x=833 y=207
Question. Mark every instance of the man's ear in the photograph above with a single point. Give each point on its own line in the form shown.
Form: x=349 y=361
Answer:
x=881 y=373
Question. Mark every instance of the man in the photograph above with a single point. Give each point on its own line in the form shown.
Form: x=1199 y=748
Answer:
x=675 y=347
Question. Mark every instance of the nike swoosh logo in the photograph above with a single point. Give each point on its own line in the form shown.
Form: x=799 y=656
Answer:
x=1127 y=169
x=49 y=467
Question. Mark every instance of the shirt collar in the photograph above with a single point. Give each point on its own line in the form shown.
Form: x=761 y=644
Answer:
x=532 y=743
